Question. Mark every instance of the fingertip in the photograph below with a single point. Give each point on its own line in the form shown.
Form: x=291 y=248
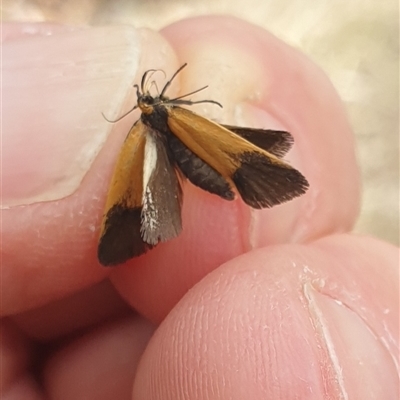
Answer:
x=80 y=370
x=275 y=86
x=55 y=195
x=278 y=321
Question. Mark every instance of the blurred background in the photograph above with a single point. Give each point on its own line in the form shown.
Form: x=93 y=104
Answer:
x=355 y=42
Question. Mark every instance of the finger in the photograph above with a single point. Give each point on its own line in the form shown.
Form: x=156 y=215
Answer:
x=25 y=387
x=14 y=355
x=261 y=82
x=57 y=158
x=318 y=321
x=80 y=310
x=264 y=82
x=101 y=365
x=70 y=249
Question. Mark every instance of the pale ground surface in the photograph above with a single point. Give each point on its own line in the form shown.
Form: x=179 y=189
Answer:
x=356 y=43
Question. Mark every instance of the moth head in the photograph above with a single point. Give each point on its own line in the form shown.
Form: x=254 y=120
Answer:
x=145 y=101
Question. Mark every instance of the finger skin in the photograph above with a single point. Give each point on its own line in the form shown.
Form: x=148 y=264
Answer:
x=259 y=69
x=59 y=236
x=24 y=388
x=316 y=321
x=74 y=313
x=100 y=365
x=49 y=247
x=14 y=354
x=273 y=86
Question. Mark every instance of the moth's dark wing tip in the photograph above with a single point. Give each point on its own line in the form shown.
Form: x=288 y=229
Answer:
x=285 y=144
x=275 y=142
x=121 y=239
x=263 y=184
x=278 y=196
x=298 y=184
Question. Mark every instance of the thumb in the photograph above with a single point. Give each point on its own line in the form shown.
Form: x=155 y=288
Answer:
x=284 y=322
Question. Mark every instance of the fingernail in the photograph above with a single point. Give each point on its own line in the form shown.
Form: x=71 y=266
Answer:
x=358 y=366
x=55 y=88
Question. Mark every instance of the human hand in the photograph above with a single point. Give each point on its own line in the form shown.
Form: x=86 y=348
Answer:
x=268 y=323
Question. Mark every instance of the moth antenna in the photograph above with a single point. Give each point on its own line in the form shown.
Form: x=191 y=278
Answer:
x=190 y=102
x=188 y=94
x=144 y=79
x=168 y=84
x=177 y=100
x=154 y=83
x=119 y=118
x=128 y=112
x=137 y=90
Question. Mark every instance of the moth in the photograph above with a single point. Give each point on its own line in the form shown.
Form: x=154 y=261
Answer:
x=170 y=144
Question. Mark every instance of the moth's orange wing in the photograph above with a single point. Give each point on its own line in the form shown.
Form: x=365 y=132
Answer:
x=275 y=142
x=143 y=205
x=120 y=237
x=261 y=178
